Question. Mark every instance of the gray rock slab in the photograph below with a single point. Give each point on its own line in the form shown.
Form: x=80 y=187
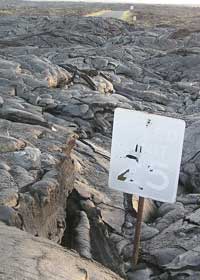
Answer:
x=33 y=258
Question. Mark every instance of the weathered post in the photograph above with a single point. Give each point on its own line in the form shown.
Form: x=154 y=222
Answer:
x=138 y=230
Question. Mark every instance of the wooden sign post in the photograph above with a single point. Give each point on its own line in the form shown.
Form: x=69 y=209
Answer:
x=145 y=158
x=138 y=230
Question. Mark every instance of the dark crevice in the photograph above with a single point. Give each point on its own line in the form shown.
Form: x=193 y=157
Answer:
x=95 y=242
x=72 y=221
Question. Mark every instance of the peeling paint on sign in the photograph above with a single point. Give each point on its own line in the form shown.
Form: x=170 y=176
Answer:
x=145 y=159
x=122 y=177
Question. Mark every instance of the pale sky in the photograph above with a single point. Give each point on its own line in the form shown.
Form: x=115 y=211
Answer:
x=180 y=2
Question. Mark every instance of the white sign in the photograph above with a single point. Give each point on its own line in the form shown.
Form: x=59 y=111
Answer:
x=146 y=154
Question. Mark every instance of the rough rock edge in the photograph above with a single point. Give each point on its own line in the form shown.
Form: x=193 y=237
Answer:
x=36 y=258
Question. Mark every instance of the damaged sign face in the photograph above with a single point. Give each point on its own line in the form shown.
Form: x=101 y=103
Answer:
x=146 y=154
